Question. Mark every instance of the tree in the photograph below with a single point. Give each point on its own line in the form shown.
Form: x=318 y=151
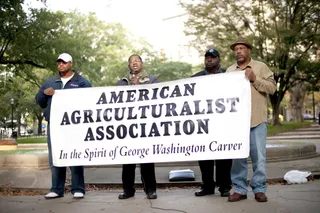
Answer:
x=5 y=101
x=282 y=33
x=23 y=93
x=297 y=96
x=169 y=71
x=34 y=38
x=306 y=80
x=17 y=27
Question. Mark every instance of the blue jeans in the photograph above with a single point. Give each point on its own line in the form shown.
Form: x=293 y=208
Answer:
x=239 y=170
x=58 y=174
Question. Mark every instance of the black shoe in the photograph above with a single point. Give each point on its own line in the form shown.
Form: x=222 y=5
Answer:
x=224 y=192
x=204 y=192
x=125 y=195
x=152 y=194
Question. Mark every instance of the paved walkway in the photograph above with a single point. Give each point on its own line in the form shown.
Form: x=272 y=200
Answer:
x=282 y=198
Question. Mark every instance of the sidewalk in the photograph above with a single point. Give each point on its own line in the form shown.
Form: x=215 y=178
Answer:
x=281 y=199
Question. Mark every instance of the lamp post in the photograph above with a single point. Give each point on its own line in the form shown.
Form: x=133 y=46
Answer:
x=12 y=102
x=313 y=107
x=313 y=102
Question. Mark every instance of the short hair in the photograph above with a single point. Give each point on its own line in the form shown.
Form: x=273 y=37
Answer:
x=135 y=55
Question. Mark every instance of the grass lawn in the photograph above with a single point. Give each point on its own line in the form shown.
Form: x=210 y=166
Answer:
x=32 y=140
x=285 y=127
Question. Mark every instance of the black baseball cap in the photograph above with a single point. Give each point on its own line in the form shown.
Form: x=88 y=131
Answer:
x=212 y=52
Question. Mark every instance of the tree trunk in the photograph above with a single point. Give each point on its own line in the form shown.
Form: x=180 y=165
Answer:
x=275 y=114
x=39 y=118
x=297 y=95
x=35 y=125
x=275 y=103
x=39 y=126
x=18 y=124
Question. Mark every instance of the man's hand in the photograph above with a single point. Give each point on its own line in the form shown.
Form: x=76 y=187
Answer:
x=134 y=80
x=49 y=91
x=250 y=75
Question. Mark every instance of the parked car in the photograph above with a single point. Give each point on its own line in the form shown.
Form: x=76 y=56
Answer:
x=308 y=117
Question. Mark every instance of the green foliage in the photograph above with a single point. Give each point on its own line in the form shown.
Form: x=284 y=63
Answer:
x=23 y=34
x=169 y=71
x=282 y=33
x=97 y=48
x=32 y=39
x=310 y=74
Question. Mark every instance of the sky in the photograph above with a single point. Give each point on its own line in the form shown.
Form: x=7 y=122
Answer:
x=143 y=18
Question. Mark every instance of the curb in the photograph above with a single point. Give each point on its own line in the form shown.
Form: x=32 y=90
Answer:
x=282 y=138
x=39 y=161
x=118 y=186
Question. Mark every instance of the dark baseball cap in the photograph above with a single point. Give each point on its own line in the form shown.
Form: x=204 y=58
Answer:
x=212 y=52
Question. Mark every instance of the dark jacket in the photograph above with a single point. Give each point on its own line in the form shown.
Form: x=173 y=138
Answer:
x=147 y=79
x=44 y=101
x=205 y=72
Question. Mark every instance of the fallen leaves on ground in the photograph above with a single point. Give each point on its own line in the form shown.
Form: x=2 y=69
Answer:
x=6 y=190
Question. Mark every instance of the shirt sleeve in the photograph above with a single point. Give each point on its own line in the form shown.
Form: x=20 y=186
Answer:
x=85 y=83
x=41 y=98
x=265 y=82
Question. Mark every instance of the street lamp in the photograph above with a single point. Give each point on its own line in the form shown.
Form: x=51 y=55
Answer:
x=313 y=107
x=12 y=102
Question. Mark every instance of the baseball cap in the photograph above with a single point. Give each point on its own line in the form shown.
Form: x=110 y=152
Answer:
x=212 y=52
x=65 y=57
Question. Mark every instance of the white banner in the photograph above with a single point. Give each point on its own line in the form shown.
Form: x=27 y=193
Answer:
x=191 y=119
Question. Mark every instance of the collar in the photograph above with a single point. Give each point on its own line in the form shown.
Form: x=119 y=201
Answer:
x=142 y=78
x=208 y=73
x=248 y=65
x=75 y=76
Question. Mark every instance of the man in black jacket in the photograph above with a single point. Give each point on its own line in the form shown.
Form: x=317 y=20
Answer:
x=223 y=167
x=137 y=76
